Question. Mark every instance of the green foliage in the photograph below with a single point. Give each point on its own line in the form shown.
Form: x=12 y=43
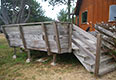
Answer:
x=65 y=2
x=37 y=14
x=59 y=2
x=62 y=16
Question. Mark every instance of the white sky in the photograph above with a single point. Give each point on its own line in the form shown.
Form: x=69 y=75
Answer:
x=48 y=9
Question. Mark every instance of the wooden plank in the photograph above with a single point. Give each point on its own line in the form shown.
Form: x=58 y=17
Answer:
x=98 y=54
x=46 y=39
x=109 y=27
x=22 y=36
x=105 y=32
x=108 y=41
x=109 y=46
x=84 y=49
x=70 y=37
x=57 y=37
x=92 y=46
x=6 y=36
x=24 y=24
x=84 y=33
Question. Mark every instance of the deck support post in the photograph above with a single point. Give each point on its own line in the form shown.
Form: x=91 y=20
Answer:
x=54 y=60
x=21 y=50
x=14 y=55
x=29 y=56
x=98 y=54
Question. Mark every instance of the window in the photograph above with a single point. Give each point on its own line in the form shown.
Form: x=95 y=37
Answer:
x=112 y=16
x=84 y=17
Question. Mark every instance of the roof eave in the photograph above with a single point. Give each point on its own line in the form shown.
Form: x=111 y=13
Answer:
x=78 y=5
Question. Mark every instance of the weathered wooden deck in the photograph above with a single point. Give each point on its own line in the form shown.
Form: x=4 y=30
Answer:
x=59 y=38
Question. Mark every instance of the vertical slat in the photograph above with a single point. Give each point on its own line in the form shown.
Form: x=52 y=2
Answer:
x=6 y=35
x=70 y=37
x=46 y=39
x=57 y=37
x=22 y=36
x=98 y=49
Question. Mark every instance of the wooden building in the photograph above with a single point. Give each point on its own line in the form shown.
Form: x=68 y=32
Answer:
x=90 y=12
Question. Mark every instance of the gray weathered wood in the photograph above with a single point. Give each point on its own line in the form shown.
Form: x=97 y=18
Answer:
x=70 y=37
x=46 y=39
x=98 y=53
x=6 y=35
x=31 y=36
x=104 y=31
x=84 y=33
x=84 y=40
x=22 y=37
x=84 y=49
x=57 y=37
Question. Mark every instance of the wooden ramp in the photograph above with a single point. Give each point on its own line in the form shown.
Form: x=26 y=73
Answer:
x=85 y=49
x=52 y=37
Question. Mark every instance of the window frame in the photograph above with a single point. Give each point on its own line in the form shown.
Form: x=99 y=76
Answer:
x=82 y=17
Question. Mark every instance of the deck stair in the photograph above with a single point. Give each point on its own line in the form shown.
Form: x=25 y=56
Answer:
x=84 y=46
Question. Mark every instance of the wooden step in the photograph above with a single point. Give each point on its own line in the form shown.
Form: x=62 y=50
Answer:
x=74 y=47
x=81 y=54
x=88 y=68
x=102 y=59
x=108 y=68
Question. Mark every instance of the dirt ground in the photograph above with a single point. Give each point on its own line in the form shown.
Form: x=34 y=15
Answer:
x=65 y=70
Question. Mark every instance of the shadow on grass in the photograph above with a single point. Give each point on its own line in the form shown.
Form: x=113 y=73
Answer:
x=66 y=58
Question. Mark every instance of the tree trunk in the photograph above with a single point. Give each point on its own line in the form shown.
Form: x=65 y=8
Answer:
x=69 y=2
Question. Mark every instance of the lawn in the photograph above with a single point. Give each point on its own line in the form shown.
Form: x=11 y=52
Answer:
x=68 y=67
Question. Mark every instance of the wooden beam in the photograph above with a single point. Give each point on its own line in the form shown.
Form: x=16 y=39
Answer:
x=22 y=36
x=105 y=32
x=46 y=39
x=84 y=33
x=57 y=37
x=14 y=55
x=108 y=27
x=70 y=37
x=84 y=49
x=6 y=35
x=84 y=40
x=54 y=58
x=98 y=54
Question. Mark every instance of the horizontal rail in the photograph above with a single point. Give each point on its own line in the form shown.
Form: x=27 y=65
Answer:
x=34 y=23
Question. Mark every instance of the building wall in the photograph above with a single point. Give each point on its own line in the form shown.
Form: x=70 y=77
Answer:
x=98 y=11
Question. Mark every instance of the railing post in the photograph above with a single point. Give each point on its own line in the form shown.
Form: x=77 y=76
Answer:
x=22 y=36
x=46 y=39
x=98 y=53
x=57 y=37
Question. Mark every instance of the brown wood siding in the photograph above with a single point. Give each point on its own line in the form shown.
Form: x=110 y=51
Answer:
x=98 y=11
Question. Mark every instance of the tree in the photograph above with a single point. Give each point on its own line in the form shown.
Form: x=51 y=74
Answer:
x=62 y=16
x=20 y=11
x=37 y=14
x=59 y=2
x=13 y=11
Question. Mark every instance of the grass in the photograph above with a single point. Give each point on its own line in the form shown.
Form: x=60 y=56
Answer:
x=11 y=69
